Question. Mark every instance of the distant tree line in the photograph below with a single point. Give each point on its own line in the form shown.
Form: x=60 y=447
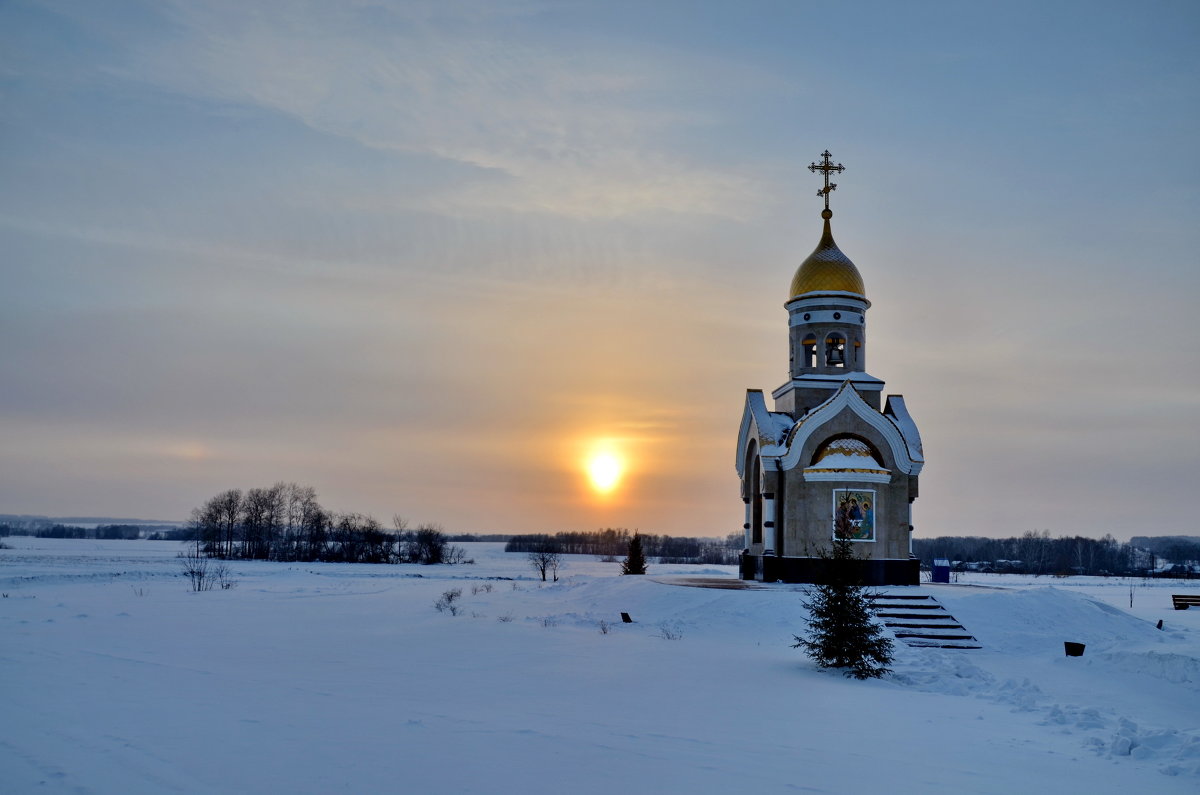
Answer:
x=285 y=522
x=463 y=538
x=103 y=532
x=611 y=543
x=1037 y=553
x=29 y=524
x=63 y=531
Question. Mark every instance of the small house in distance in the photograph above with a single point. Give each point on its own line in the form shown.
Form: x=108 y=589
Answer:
x=832 y=443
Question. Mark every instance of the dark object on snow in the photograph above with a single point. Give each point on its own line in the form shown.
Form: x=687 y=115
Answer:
x=941 y=570
x=625 y=617
x=1073 y=649
x=1160 y=623
x=1184 y=601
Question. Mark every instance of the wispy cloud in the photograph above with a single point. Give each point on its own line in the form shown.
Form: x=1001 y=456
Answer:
x=561 y=129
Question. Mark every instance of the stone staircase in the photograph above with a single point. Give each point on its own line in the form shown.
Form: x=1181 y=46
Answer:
x=921 y=621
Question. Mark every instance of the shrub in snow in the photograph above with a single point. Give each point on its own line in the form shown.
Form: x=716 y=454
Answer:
x=842 y=632
x=504 y=619
x=669 y=631
x=448 y=602
x=195 y=566
x=456 y=555
x=605 y=627
x=221 y=575
x=635 y=562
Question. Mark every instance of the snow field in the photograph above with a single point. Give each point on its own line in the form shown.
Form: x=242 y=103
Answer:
x=317 y=678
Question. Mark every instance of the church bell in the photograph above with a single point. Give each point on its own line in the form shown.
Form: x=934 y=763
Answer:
x=833 y=351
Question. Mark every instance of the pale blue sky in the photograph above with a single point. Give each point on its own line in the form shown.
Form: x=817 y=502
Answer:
x=418 y=255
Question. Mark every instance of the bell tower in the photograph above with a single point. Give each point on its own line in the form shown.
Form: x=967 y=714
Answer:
x=827 y=311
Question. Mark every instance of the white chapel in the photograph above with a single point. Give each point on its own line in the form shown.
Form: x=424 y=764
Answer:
x=831 y=443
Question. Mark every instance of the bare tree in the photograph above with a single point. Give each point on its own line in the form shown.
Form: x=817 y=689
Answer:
x=277 y=499
x=357 y=538
x=204 y=528
x=291 y=540
x=254 y=521
x=427 y=545
x=315 y=522
x=400 y=535
x=229 y=505
x=544 y=558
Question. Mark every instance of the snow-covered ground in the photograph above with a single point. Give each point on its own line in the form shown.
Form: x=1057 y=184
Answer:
x=321 y=678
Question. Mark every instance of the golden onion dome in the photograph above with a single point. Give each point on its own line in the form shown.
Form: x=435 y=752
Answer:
x=827 y=269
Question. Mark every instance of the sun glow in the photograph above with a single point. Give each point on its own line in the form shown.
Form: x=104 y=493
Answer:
x=604 y=470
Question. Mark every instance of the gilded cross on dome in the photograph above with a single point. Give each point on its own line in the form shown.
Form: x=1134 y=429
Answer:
x=826 y=165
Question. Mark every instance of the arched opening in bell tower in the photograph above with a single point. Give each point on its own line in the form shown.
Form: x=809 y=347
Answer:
x=810 y=350
x=835 y=350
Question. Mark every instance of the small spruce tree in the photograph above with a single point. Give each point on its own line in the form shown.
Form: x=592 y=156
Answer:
x=842 y=632
x=635 y=562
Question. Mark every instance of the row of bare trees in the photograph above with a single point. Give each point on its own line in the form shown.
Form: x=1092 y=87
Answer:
x=285 y=522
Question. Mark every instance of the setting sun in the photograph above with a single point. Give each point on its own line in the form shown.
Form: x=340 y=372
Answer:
x=604 y=471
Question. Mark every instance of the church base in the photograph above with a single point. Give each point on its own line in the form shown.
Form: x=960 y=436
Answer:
x=771 y=568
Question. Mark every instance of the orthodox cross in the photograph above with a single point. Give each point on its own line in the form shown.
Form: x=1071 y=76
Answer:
x=827 y=166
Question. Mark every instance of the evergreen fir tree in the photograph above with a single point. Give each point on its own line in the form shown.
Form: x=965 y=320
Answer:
x=842 y=632
x=635 y=563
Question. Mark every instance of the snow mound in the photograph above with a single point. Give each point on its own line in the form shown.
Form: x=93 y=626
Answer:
x=1041 y=619
x=1180 y=669
x=1180 y=750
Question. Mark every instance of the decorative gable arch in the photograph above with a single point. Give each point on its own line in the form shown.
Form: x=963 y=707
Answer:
x=847 y=398
x=768 y=428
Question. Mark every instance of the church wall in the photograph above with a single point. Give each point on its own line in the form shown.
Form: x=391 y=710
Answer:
x=807 y=506
x=808 y=516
